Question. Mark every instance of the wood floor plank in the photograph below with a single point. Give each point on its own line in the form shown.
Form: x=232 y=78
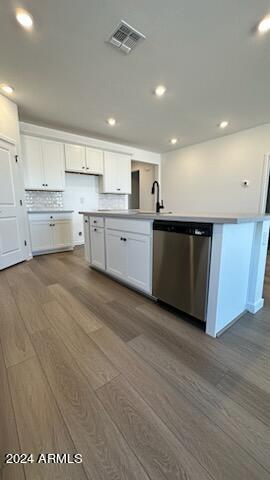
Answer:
x=124 y=321
x=40 y=425
x=182 y=331
x=29 y=308
x=105 y=452
x=32 y=282
x=254 y=399
x=243 y=428
x=42 y=272
x=216 y=452
x=211 y=394
x=91 y=360
x=86 y=319
x=152 y=442
x=14 y=337
x=9 y=441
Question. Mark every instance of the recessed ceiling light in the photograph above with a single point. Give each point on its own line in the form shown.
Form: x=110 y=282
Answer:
x=111 y=121
x=223 y=124
x=264 y=25
x=7 y=88
x=173 y=141
x=24 y=18
x=160 y=90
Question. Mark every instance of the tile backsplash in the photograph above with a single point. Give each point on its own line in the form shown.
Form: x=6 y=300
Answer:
x=109 y=201
x=41 y=200
x=38 y=200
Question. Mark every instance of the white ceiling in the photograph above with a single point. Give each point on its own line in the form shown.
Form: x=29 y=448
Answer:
x=207 y=53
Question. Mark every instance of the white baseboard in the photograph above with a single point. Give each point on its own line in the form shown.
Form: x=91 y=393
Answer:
x=255 y=307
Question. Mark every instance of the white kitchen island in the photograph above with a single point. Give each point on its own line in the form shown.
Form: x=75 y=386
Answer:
x=120 y=244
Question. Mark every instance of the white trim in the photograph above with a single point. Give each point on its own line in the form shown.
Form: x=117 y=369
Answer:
x=255 y=307
x=264 y=183
x=8 y=140
x=214 y=279
x=67 y=137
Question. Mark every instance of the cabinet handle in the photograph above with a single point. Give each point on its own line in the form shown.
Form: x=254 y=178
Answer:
x=123 y=239
x=83 y=167
x=95 y=230
x=85 y=221
x=51 y=217
x=87 y=168
x=118 y=189
x=94 y=221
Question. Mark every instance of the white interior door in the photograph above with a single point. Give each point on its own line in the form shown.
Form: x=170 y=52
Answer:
x=12 y=248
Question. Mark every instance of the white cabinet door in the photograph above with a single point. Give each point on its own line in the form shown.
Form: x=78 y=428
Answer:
x=94 y=161
x=97 y=247
x=117 y=173
x=53 y=165
x=62 y=234
x=124 y=176
x=86 y=223
x=75 y=158
x=33 y=163
x=138 y=260
x=41 y=236
x=116 y=253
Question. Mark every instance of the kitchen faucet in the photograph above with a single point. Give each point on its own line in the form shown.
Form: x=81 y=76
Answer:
x=159 y=205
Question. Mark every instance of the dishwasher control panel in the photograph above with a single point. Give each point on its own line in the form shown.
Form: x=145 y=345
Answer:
x=186 y=228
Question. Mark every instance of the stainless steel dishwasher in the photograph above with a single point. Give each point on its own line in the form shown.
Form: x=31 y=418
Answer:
x=181 y=263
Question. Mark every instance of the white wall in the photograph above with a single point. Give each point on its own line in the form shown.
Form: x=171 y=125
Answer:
x=81 y=193
x=207 y=177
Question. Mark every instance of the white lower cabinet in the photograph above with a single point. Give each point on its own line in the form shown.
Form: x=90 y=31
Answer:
x=41 y=236
x=116 y=253
x=86 y=227
x=97 y=247
x=138 y=260
x=122 y=248
x=50 y=232
x=62 y=234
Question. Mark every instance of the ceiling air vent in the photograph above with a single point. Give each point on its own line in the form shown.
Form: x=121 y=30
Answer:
x=125 y=37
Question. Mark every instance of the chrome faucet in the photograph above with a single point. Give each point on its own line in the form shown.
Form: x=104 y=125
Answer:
x=159 y=204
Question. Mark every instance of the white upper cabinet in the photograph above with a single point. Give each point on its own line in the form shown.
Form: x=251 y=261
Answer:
x=94 y=161
x=117 y=173
x=33 y=163
x=84 y=159
x=53 y=165
x=75 y=158
x=43 y=164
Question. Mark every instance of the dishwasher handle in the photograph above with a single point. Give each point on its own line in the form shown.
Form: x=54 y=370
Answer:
x=186 y=228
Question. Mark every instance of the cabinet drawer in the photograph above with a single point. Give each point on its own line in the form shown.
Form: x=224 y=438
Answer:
x=127 y=225
x=97 y=222
x=36 y=217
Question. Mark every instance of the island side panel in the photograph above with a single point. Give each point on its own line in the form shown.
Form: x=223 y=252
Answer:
x=232 y=249
x=255 y=299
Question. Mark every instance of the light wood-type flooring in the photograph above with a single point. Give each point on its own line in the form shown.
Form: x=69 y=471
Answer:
x=89 y=366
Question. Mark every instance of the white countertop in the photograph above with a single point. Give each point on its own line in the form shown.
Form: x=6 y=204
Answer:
x=52 y=210
x=179 y=217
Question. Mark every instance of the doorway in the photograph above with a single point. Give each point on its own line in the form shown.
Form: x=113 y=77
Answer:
x=142 y=177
